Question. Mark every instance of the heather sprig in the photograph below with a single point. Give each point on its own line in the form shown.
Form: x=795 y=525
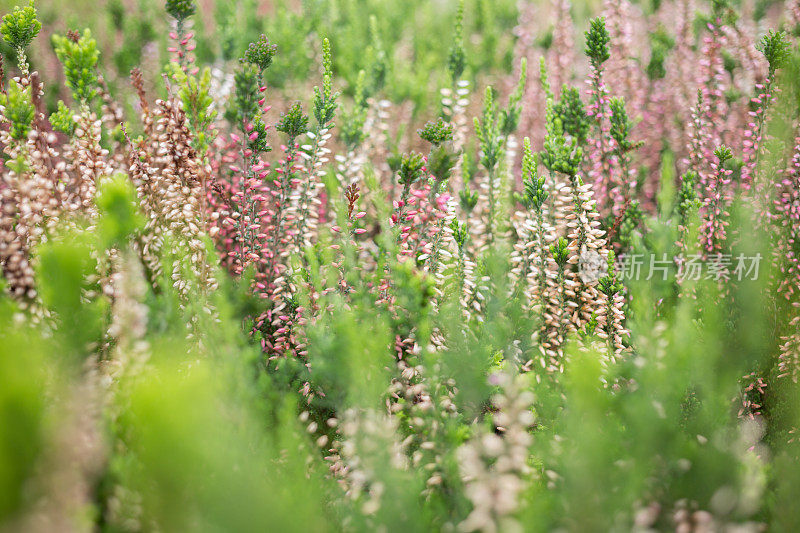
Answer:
x=601 y=171
x=544 y=80
x=410 y=170
x=688 y=200
x=79 y=57
x=325 y=99
x=442 y=158
x=247 y=94
x=597 y=39
x=716 y=203
x=460 y=233
x=776 y=49
x=534 y=193
x=436 y=132
x=63 y=119
x=572 y=112
x=198 y=104
x=353 y=120
x=260 y=53
x=492 y=143
x=611 y=287
x=17 y=109
x=293 y=122
x=180 y=9
x=379 y=62
x=306 y=198
x=457 y=58
x=559 y=250
x=488 y=131
x=723 y=155
x=621 y=126
x=468 y=199
x=533 y=197
x=560 y=154
x=509 y=117
x=19 y=28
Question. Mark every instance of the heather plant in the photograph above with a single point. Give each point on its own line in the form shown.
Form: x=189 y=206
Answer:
x=78 y=53
x=295 y=271
x=19 y=28
x=17 y=110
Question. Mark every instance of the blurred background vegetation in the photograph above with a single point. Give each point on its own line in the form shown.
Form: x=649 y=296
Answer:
x=201 y=438
x=402 y=46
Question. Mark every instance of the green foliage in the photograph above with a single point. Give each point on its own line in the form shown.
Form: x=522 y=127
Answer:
x=198 y=104
x=441 y=161
x=21 y=26
x=610 y=285
x=632 y=221
x=180 y=9
x=572 y=113
x=468 y=199
x=378 y=65
x=294 y=122
x=117 y=205
x=655 y=67
x=456 y=59
x=170 y=408
x=460 y=233
x=534 y=194
x=23 y=408
x=137 y=31
x=17 y=110
x=436 y=132
x=660 y=45
x=398 y=46
x=597 y=39
x=723 y=155
x=260 y=53
x=410 y=170
x=325 y=99
x=63 y=119
x=246 y=83
x=545 y=80
x=620 y=126
x=488 y=131
x=420 y=390
x=776 y=49
x=64 y=277
x=79 y=58
x=560 y=153
x=723 y=11
x=352 y=129
x=560 y=252
x=509 y=117
x=687 y=195
x=238 y=27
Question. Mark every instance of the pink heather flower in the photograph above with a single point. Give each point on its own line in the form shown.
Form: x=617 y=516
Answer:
x=714 y=210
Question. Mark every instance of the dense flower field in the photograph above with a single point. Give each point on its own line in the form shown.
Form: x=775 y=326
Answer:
x=360 y=265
